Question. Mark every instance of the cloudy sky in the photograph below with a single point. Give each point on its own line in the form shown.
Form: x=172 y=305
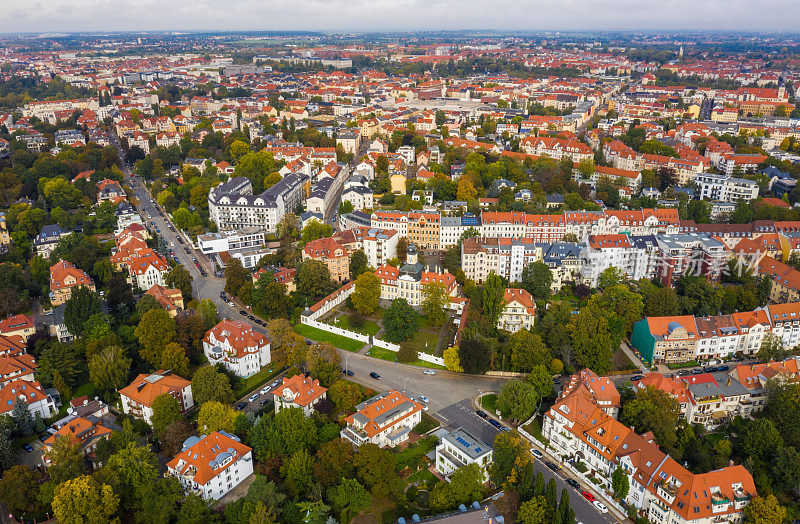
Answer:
x=382 y=15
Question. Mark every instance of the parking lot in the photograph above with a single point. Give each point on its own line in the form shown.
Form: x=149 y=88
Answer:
x=462 y=415
x=258 y=399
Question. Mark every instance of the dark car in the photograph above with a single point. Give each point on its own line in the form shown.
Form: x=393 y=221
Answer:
x=698 y=371
x=683 y=372
x=482 y=414
x=308 y=342
x=28 y=448
x=374 y=375
x=263 y=402
x=551 y=466
x=243 y=313
x=573 y=483
x=636 y=377
x=241 y=405
x=723 y=368
x=496 y=424
x=348 y=372
x=251 y=317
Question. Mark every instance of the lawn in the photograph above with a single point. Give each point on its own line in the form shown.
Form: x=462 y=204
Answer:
x=369 y=328
x=247 y=385
x=413 y=455
x=426 y=424
x=489 y=403
x=621 y=362
x=385 y=354
x=422 y=338
x=312 y=333
x=535 y=430
x=681 y=365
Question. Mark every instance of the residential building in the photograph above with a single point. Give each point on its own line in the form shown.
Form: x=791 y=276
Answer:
x=240 y=349
x=600 y=390
x=31 y=394
x=299 y=392
x=380 y=245
x=171 y=300
x=137 y=398
x=519 y=311
x=725 y=188
x=333 y=254
x=48 y=238
x=16 y=367
x=385 y=420
x=21 y=325
x=212 y=465
x=83 y=432
x=64 y=277
x=458 y=449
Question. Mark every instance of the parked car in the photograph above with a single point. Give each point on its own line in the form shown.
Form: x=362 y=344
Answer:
x=429 y=372
x=536 y=453
x=636 y=377
x=494 y=423
x=551 y=466
x=374 y=375
x=723 y=368
x=482 y=414
x=28 y=448
x=243 y=313
x=265 y=390
x=263 y=402
x=424 y=399
x=241 y=405
x=251 y=317
x=588 y=496
x=600 y=506
x=253 y=397
x=573 y=483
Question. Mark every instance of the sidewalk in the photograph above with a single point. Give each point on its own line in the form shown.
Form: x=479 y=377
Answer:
x=644 y=368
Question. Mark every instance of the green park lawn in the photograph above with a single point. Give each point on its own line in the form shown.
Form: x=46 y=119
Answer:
x=312 y=333
x=489 y=403
x=369 y=328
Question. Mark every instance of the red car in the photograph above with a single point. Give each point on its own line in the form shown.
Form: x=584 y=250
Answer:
x=588 y=496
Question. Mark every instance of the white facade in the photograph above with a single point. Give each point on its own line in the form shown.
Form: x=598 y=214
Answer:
x=725 y=188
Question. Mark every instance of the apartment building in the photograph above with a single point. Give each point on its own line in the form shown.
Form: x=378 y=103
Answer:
x=18 y=325
x=84 y=432
x=604 y=251
x=506 y=257
x=64 y=277
x=458 y=449
x=137 y=398
x=390 y=220
x=410 y=280
x=232 y=205
x=212 y=465
x=557 y=148
x=31 y=393
x=333 y=254
x=725 y=188
x=601 y=390
x=380 y=245
x=235 y=345
x=171 y=300
x=386 y=420
x=451 y=228
x=424 y=229
x=148 y=270
x=519 y=311
x=17 y=367
x=299 y=392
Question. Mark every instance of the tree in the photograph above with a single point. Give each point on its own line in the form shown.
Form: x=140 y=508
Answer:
x=764 y=510
x=334 y=460
x=366 y=294
x=315 y=230
x=771 y=348
x=350 y=498
x=783 y=409
x=761 y=439
x=451 y=359
x=654 y=410
x=534 y=511
x=466 y=190
x=314 y=279
x=465 y=486
x=109 y=368
x=283 y=434
x=82 y=304
x=155 y=329
x=611 y=276
x=527 y=350
x=785 y=468
x=215 y=416
x=235 y=276
x=358 y=264
x=298 y=472
x=344 y=395
x=434 y=299
x=84 y=501
x=592 y=341
x=132 y=471
x=541 y=380
x=146 y=303
x=209 y=384
x=18 y=489
x=402 y=249
x=493 y=291
x=166 y=410
x=22 y=416
x=67 y=460
x=174 y=436
x=511 y=456
x=400 y=321
x=174 y=359
x=180 y=278
x=518 y=399
x=345 y=207
x=537 y=279
x=7 y=453
x=474 y=355
x=375 y=467
x=620 y=483
x=324 y=363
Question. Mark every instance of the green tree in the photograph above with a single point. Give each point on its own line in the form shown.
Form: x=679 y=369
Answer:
x=764 y=510
x=315 y=230
x=400 y=321
x=358 y=264
x=620 y=483
x=541 y=380
x=534 y=511
x=527 y=350
x=537 y=279
x=298 y=472
x=785 y=468
x=82 y=304
x=465 y=486
x=451 y=359
x=474 y=355
x=611 y=276
x=155 y=329
x=235 y=276
x=174 y=358
x=314 y=279
x=761 y=439
x=66 y=460
x=366 y=294
x=215 y=416
x=653 y=410
x=324 y=363
x=375 y=467
x=592 y=341
x=132 y=471
x=209 y=384
x=771 y=348
x=84 y=501
x=146 y=303
x=511 y=456
x=493 y=291
x=284 y=434
x=109 y=368
x=18 y=489
x=180 y=278
x=208 y=312
x=166 y=410
x=344 y=395
x=334 y=461
x=349 y=498
x=518 y=399
x=434 y=301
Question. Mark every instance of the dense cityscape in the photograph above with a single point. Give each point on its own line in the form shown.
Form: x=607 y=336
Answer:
x=448 y=276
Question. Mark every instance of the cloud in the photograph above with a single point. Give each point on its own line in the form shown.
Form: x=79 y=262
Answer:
x=393 y=15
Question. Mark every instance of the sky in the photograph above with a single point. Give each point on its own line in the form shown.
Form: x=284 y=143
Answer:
x=397 y=15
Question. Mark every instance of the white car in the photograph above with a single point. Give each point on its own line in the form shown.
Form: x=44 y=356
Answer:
x=253 y=397
x=429 y=372
x=265 y=390
x=231 y=304
x=424 y=399
x=600 y=506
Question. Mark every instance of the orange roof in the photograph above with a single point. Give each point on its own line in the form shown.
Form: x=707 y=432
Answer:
x=17 y=364
x=145 y=388
x=522 y=297
x=608 y=241
x=16 y=323
x=302 y=390
x=79 y=430
x=204 y=458
x=380 y=406
x=63 y=269
x=166 y=297
x=11 y=345
x=28 y=391
x=238 y=335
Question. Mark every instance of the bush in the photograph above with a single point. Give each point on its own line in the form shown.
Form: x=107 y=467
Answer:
x=357 y=320
x=408 y=352
x=580 y=466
